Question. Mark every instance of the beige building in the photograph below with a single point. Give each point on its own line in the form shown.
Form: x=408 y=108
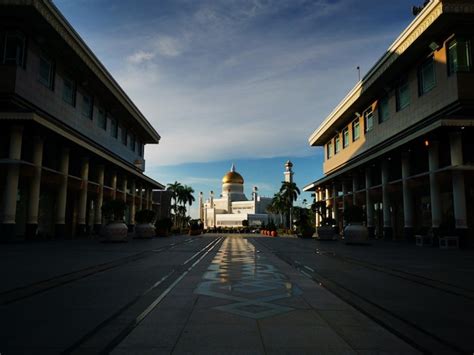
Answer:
x=399 y=144
x=70 y=137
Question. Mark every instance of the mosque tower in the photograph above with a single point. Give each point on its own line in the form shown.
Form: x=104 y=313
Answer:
x=288 y=171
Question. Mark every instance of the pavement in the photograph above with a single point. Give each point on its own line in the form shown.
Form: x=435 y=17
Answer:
x=226 y=294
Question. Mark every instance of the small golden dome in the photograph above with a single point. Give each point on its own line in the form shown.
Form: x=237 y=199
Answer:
x=232 y=177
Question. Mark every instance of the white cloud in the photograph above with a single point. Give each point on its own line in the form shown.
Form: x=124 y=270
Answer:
x=140 y=57
x=168 y=46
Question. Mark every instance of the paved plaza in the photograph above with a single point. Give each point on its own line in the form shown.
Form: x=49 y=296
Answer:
x=234 y=294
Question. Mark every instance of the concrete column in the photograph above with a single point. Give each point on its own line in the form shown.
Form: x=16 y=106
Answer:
x=62 y=193
x=124 y=188
x=344 y=202
x=317 y=198
x=369 y=205
x=7 y=226
x=140 y=195
x=354 y=189
x=326 y=199
x=100 y=199
x=114 y=185
x=132 y=205
x=408 y=207
x=459 y=189
x=35 y=185
x=433 y=160
x=150 y=198
x=81 y=219
x=334 y=206
x=387 y=217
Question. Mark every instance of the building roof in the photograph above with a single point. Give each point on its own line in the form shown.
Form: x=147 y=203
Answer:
x=423 y=27
x=233 y=177
x=58 y=22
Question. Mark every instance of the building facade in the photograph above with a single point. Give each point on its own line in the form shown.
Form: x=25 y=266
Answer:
x=70 y=137
x=232 y=208
x=399 y=143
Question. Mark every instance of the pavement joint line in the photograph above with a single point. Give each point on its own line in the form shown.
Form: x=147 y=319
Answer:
x=80 y=347
x=157 y=301
x=417 y=279
x=23 y=292
x=326 y=283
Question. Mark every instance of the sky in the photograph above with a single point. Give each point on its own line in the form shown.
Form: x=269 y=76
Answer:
x=236 y=81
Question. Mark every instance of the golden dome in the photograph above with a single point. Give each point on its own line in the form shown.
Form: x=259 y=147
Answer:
x=232 y=177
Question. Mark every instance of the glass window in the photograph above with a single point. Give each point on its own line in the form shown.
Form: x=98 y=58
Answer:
x=403 y=95
x=113 y=128
x=355 y=129
x=69 y=91
x=14 y=49
x=337 y=145
x=46 y=72
x=459 y=56
x=426 y=76
x=383 y=109
x=329 y=149
x=102 y=119
x=124 y=135
x=87 y=106
x=368 y=120
x=345 y=137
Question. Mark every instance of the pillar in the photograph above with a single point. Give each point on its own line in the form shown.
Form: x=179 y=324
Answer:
x=140 y=195
x=100 y=199
x=113 y=184
x=7 y=226
x=132 y=205
x=81 y=219
x=408 y=207
x=124 y=188
x=433 y=161
x=334 y=205
x=344 y=201
x=354 y=189
x=326 y=199
x=387 y=217
x=317 y=198
x=369 y=205
x=459 y=189
x=35 y=185
x=60 y=229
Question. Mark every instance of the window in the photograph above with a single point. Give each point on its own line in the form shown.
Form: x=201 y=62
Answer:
x=383 y=109
x=345 y=137
x=46 y=72
x=69 y=91
x=337 y=145
x=426 y=77
x=87 y=106
x=403 y=95
x=13 y=49
x=459 y=56
x=329 y=149
x=113 y=128
x=102 y=119
x=355 y=129
x=368 y=120
x=124 y=135
x=132 y=141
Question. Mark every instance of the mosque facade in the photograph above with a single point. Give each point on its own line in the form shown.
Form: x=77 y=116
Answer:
x=232 y=208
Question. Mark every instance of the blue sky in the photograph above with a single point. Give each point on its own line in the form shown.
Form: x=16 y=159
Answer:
x=243 y=81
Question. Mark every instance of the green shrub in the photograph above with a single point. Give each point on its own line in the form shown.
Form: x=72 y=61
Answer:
x=145 y=216
x=114 y=210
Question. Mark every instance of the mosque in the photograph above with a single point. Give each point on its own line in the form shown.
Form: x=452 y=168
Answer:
x=232 y=208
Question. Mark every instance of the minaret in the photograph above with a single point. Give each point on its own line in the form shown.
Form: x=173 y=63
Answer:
x=255 y=198
x=288 y=171
x=201 y=208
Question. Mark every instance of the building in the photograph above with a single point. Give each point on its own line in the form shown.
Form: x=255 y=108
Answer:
x=70 y=137
x=399 y=143
x=233 y=207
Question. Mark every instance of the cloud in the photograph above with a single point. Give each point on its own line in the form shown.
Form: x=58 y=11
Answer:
x=168 y=46
x=140 y=57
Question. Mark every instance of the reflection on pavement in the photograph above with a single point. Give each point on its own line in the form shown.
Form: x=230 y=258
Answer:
x=241 y=274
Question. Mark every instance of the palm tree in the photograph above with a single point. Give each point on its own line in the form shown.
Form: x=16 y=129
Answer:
x=289 y=192
x=277 y=206
x=188 y=195
x=175 y=188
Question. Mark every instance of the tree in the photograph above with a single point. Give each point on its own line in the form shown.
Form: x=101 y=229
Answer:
x=277 y=206
x=175 y=189
x=289 y=192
